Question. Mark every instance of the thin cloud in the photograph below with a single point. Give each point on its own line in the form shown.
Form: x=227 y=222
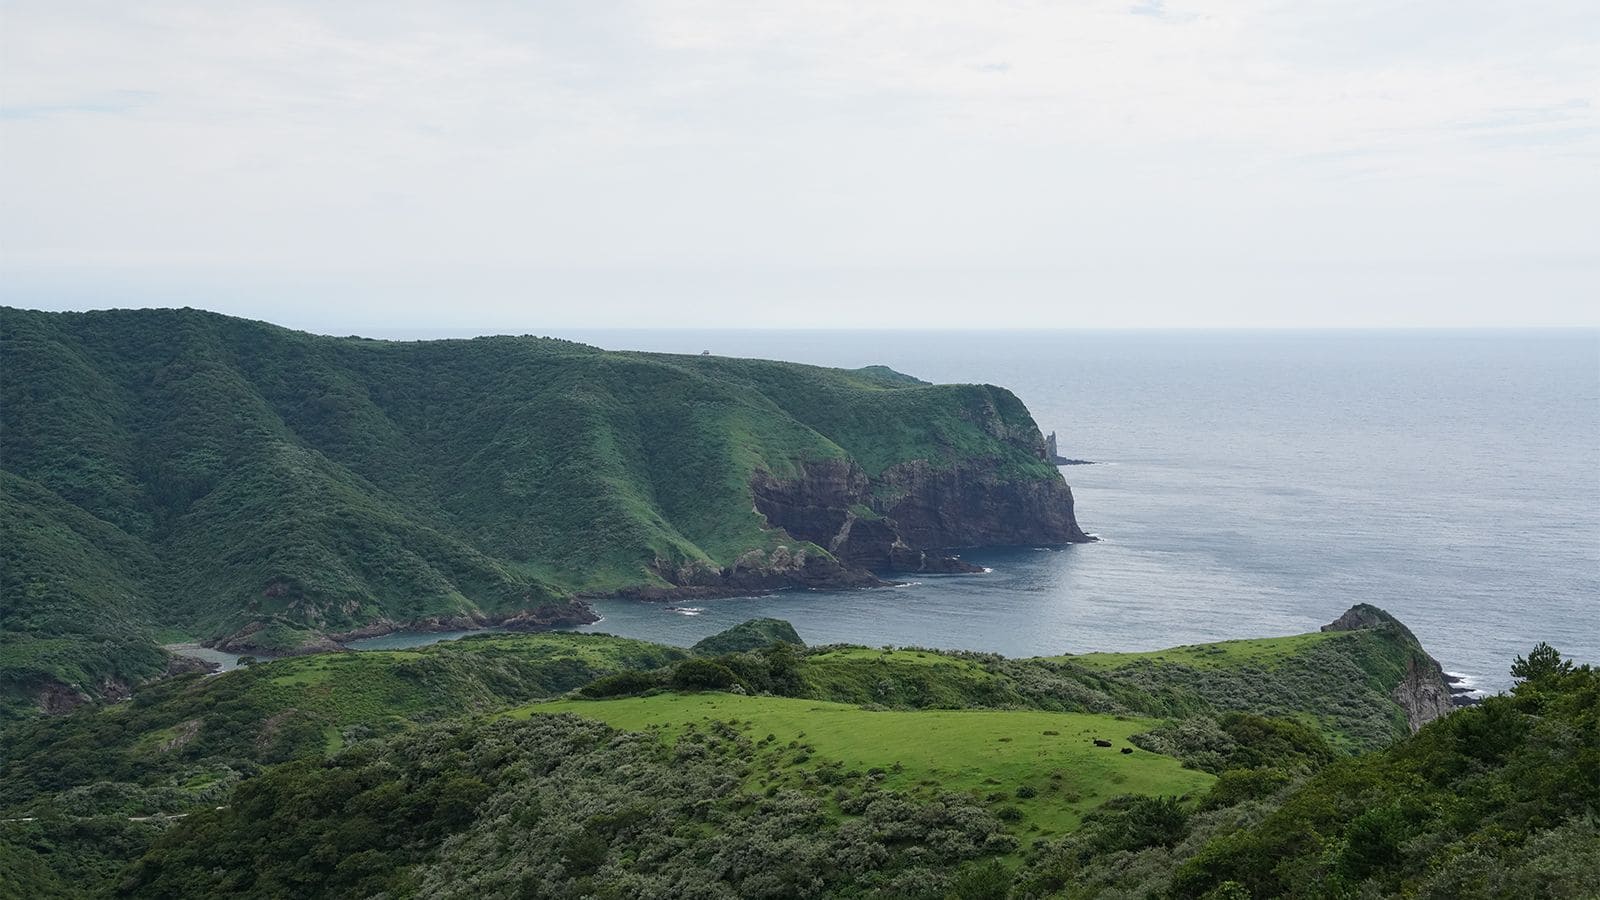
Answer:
x=337 y=143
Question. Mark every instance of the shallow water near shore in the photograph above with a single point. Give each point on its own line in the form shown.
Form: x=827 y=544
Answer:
x=1251 y=484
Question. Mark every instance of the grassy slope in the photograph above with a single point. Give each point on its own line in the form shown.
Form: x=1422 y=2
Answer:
x=178 y=736
x=252 y=473
x=1338 y=682
x=1493 y=801
x=1223 y=654
x=988 y=753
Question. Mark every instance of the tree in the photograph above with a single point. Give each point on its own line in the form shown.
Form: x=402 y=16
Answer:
x=1541 y=663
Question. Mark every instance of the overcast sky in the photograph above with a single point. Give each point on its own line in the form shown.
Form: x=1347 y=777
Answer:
x=518 y=166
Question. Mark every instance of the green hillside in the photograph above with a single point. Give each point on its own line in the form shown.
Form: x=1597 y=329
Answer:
x=181 y=740
x=223 y=479
x=477 y=768
x=440 y=785
x=1343 y=683
x=177 y=740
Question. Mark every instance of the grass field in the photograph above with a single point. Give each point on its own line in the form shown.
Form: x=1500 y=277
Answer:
x=1224 y=654
x=1043 y=764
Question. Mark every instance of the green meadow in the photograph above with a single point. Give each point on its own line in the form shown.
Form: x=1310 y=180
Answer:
x=1220 y=655
x=1042 y=764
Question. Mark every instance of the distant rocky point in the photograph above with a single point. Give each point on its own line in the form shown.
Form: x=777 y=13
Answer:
x=1057 y=459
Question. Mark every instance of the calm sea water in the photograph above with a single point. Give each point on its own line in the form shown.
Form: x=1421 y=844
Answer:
x=1249 y=484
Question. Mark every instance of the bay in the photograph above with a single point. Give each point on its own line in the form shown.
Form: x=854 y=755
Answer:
x=1248 y=484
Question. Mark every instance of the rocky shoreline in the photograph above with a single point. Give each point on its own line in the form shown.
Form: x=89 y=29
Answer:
x=1460 y=694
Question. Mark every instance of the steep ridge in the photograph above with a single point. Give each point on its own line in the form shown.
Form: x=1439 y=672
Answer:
x=1422 y=693
x=274 y=491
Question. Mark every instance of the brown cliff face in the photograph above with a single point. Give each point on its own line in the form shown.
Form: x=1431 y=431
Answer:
x=1423 y=694
x=971 y=505
x=899 y=521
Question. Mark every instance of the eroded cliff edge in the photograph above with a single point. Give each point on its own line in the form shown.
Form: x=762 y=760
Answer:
x=1422 y=691
x=906 y=518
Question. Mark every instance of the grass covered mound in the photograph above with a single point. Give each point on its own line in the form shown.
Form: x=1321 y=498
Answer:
x=1343 y=683
x=1039 y=772
x=753 y=634
x=1346 y=685
x=201 y=476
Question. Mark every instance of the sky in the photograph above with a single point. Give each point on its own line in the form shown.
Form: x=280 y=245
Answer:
x=525 y=166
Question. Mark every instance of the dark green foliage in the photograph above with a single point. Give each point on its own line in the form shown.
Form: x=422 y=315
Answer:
x=1134 y=823
x=1541 y=664
x=1240 y=741
x=982 y=881
x=702 y=675
x=1235 y=786
x=1263 y=741
x=562 y=807
x=1494 y=801
x=178 y=737
x=177 y=469
x=623 y=684
x=68 y=856
x=754 y=634
x=1479 y=782
x=1341 y=685
x=76 y=599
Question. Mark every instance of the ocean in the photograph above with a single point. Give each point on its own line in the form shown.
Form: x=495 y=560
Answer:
x=1245 y=484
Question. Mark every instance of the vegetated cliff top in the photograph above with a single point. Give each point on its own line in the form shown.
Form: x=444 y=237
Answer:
x=387 y=757
x=752 y=634
x=189 y=730
x=216 y=476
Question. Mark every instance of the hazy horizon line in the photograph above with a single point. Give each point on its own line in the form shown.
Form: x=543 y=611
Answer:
x=444 y=332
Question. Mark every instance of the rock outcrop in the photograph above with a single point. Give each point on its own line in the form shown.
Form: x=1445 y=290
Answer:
x=1054 y=457
x=755 y=571
x=1422 y=693
x=903 y=520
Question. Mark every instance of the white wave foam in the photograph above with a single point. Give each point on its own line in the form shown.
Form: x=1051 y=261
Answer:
x=1465 y=684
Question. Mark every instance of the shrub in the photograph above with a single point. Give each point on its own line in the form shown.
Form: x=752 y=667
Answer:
x=622 y=684
x=702 y=675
